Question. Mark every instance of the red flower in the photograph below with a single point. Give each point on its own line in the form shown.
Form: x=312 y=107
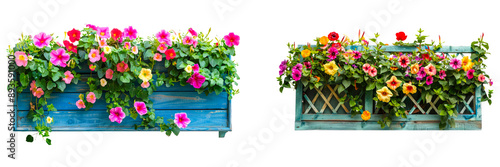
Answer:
x=69 y=46
x=116 y=34
x=401 y=36
x=74 y=35
x=336 y=45
x=333 y=36
x=426 y=57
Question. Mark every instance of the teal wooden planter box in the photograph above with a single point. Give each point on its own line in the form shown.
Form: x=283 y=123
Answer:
x=207 y=112
x=320 y=109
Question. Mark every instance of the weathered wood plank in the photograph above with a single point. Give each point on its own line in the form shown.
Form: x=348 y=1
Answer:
x=446 y=49
x=376 y=117
x=98 y=120
x=161 y=100
x=328 y=125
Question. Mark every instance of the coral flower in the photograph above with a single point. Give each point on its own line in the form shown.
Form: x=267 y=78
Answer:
x=196 y=68
x=192 y=32
x=33 y=86
x=384 y=94
x=331 y=68
x=187 y=40
x=470 y=74
x=106 y=49
x=372 y=72
x=455 y=63
x=103 y=32
x=109 y=74
x=157 y=57
x=74 y=35
x=170 y=54
x=103 y=43
x=59 y=57
x=404 y=61
x=188 y=69
x=145 y=84
x=442 y=74
x=140 y=107
x=467 y=63
x=430 y=70
x=409 y=88
x=332 y=36
x=91 y=97
x=356 y=54
x=38 y=92
x=164 y=37
x=68 y=77
x=366 y=67
x=21 y=58
x=414 y=68
x=135 y=50
x=323 y=40
x=401 y=36
x=162 y=48
x=127 y=45
x=103 y=82
x=232 y=39
x=94 y=55
x=116 y=34
x=481 y=78
x=393 y=83
x=146 y=75
x=69 y=46
x=122 y=67
x=41 y=40
x=196 y=80
x=429 y=80
x=181 y=120
x=305 y=53
x=80 y=104
x=116 y=115
x=130 y=33
x=366 y=115
x=296 y=74
x=421 y=73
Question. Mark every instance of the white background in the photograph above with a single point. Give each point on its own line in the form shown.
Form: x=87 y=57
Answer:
x=263 y=132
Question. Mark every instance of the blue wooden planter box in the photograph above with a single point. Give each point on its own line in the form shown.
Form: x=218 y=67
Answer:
x=312 y=113
x=207 y=112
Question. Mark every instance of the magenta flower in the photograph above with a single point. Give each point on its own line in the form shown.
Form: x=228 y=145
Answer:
x=421 y=73
x=181 y=120
x=68 y=77
x=283 y=66
x=232 y=39
x=333 y=53
x=187 y=40
x=196 y=80
x=94 y=55
x=470 y=74
x=103 y=32
x=91 y=97
x=491 y=82
x=196 y=68
x=127 y=45
x=109 y=74
x=21 y=58
x=164 y=36
x=429 y=80
x=59 y=57
x=130 y=32
x=92 y=27
x=455 y=63
x=296 y=74
x=162 y=48
x=195 y=42
x=442 y=74
x=481 y=78
x=298 y=67
x=307 y=64
x=41 y=40
x=116 y=115
x=192 y=32
x=357 y=54
x=141 y=108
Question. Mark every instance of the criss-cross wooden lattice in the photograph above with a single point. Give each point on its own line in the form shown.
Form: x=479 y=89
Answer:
x=326 y=100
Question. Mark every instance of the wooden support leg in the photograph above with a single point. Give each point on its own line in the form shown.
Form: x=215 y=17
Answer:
x=222 y=134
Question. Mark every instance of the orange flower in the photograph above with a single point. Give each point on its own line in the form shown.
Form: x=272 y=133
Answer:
x=394 y=68
x=409 y=88
x=323 y=40
x=393 y=83
x=414 y=68
x=305 y=53
x=366 y=115
x=318 y=78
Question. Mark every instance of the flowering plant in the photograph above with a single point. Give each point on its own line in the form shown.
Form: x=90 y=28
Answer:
x=355 y=66
x=121 y=66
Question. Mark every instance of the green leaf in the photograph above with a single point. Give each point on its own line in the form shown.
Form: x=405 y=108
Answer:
x=346 y=83
x=176 y=130
x=29 y=138
x=51 y=85
x=371 y=86
x=124 y=79
x=61 y=85
x=56 y=76
x=340 y=89
x=49 y=142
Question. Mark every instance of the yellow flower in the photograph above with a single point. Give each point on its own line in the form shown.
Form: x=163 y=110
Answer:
x=145 y=75
x=366 y=115
x=409 y=88
x=384 y=94
x=331 y=68
x=415 y=68
x=305 y=53
x=103 y=82
x=467 y=63
x=323 y=40
x=107 y=49
x=49 y=119
x=393 y=83
x=349 y=54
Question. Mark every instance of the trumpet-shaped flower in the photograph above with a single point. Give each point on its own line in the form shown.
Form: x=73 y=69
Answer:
x=430 y=70
x=470 y=74
x=80 y=104
x=188 y=40
x=384 y=94
x=181 y=120
x=404 y=61
x=442 y=74
x=429 y=80
x=146 y=75
x=393 y=83
x=140 y=107
x=331 y=68
x=356 y=54
x=372 y=72
x=421 y=72
x=481 y=78
x=467 y=63
x=68 y=77
x=296 y=74
x=170 y=54
x=366 y=67
x=130 y=33
x=33 y=86
x=307 y=64
x=126 y=45
x=91 y=97
x=21 y=58
x=69 y=46
x=103 y=32
x=232 y=40
x=196 y=80
x=366 y=115
x=94 y=55
x=59 y=57
x=409 y=88
x=41 y=40
x=196 y=68
x=298 y=67
x=192 y=32
x=116 y=115
x=455 y=63
x=414 y=69
x=333 y=52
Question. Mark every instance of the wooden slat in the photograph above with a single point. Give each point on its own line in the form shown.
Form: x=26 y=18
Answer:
x=330 y=125
x=416 y=104
x=433 y=106
x=327 y=102
x=337 y=97
x=313 y=101
x=466 y=105
x=374 y=117
x=447 y=49
x=311 y=104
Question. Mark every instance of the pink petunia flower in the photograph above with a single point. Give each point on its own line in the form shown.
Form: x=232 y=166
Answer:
x=94 y=55
x=181 y=120
x=130 y=33
x=491 y=82
x=80 y=104
x=195 y=42
x=59 y=57
x=109 y=74
x=38 y=92
x=232 y=39
x=297 y=67
x=116 y=114
x=192 y=32
x=145 y=84
x=404 y=61
x=68 y=77
x=135 y=50
x=442 y=74
x=187 y=40
x=92 y=27
x=430 y=70
x=121 y=67
x=372 y=72
x=357 y=54
x=296 y=74
x=455 y=63
x=91 y=97
x=141 y=108
x=481 y=78
x=21 y=58
x=429 y=80
x=366 y=67
x=196 y=68
x=127 y=45
x=103 y=32
x=421 y=73
x=41 y=40
x=470 y=74
x=157 y=57
x=196 y=80
x=333 y=53
x=170 y=54
x=164 y=37
x=162 y=48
